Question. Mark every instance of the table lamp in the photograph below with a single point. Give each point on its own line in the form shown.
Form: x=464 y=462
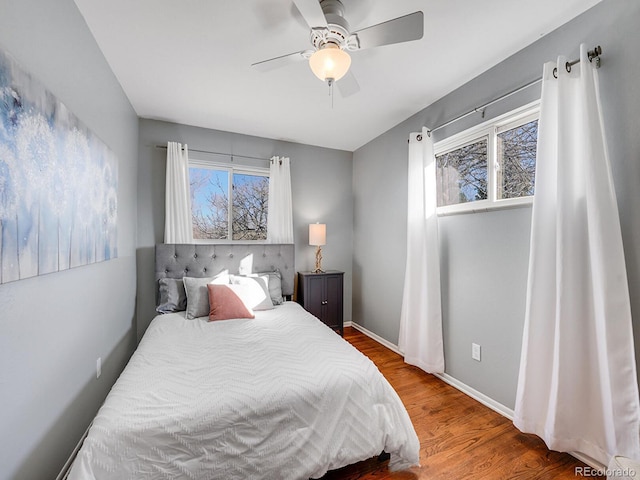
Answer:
x=317 y=237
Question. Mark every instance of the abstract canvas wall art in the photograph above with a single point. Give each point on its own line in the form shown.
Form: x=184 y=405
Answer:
x=58 y=183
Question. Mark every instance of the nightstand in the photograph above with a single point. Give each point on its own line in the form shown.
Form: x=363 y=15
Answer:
x=321 y=295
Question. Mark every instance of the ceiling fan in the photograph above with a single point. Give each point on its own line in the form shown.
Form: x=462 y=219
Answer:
x=332 y=39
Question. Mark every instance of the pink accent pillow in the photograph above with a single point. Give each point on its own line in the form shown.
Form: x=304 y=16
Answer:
x=226 y=302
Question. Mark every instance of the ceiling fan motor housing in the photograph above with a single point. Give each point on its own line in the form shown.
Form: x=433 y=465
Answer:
x=338 y=27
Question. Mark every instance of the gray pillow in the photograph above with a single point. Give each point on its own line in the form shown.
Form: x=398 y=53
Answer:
x=198 y=294
x=275 y=286
x=172 y=297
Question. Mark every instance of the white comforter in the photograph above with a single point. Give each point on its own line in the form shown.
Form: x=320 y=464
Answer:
x=278 y=397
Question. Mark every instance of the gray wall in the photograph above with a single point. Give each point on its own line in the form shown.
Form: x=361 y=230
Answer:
x=484 y=255
x=54 y=327
x=321 y=190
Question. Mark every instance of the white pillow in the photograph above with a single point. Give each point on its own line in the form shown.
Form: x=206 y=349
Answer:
x=255 y=295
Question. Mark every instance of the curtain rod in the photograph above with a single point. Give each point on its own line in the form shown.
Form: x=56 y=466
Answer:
x=221 y=153
x=591 y=54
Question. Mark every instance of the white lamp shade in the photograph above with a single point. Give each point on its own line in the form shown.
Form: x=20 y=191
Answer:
x=317 y=234
x=330 y=62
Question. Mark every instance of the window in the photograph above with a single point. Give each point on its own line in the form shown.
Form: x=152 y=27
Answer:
x=228 y=203
x=516 y=167
x=489 y=166
x=462 y=174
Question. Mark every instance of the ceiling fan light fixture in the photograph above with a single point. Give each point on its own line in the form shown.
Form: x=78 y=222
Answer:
x=330 y=62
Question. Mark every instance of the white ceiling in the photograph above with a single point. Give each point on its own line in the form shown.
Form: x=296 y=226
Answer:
x=188 y=61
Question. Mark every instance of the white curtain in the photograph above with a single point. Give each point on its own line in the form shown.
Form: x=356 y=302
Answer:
x=280 y=218
x=420 y=338
x=177 y=223
x=577 y=387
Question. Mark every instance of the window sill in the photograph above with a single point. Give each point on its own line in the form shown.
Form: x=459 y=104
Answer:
x=225 y=241
x=484 y=207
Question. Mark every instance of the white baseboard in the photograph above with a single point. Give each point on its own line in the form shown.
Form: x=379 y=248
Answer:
x=472 y=392
x=377 y=338
x=476 y=395
x=589 y=461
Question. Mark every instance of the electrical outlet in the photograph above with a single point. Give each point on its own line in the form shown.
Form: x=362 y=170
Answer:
x=98 y=367
x=475 y=351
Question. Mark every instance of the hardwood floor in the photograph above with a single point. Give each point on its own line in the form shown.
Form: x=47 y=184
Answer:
x=459 y=437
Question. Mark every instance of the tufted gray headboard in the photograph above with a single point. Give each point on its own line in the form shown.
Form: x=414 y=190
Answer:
x=206 y=260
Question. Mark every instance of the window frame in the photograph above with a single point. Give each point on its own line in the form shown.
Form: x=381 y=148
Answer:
x=465 y=141
x=231 y=169
x=489 y=130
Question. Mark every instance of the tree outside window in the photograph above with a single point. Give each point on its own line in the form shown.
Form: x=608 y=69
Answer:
x=222 y=213
x=517 y=161
x=462 y=174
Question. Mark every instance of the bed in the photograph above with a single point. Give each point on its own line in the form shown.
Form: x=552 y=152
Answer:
x=280 y=395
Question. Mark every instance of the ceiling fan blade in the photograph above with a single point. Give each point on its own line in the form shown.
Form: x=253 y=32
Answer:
x=401 y=29
x=311 y=12
x=348 y=85
x=277 y=62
